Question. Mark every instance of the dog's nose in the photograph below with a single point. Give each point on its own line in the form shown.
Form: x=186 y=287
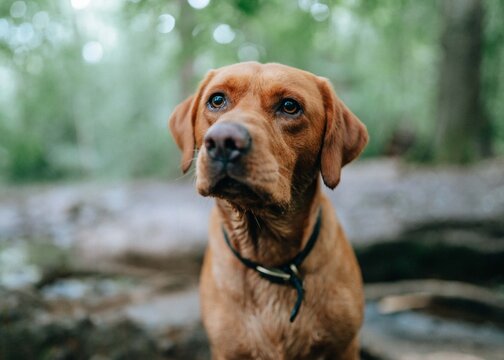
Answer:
x=227 y=141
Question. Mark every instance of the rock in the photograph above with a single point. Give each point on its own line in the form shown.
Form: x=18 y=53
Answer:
x=427 y=255
x=430 y=319
x=380 y=200
x=449 y=299
x=171 y=310
x=413 y=335
x=377 y=200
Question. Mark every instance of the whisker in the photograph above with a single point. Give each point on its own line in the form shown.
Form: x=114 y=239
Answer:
x=190 y=172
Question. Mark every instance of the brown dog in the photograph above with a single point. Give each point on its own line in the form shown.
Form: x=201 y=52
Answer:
x=279 y=279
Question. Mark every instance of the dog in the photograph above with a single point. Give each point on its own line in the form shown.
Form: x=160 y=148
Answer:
x=279 y=279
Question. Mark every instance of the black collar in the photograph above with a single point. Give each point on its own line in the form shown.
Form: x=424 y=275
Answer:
x=287 y=273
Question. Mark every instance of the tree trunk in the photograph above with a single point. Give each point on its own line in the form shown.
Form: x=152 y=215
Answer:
x=462 y=132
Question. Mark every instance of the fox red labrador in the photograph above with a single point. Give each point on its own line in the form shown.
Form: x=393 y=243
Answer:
x=279 y=279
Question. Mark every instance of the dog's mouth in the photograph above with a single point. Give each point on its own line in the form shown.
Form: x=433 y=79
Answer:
x=236 y=191
x=240 y=182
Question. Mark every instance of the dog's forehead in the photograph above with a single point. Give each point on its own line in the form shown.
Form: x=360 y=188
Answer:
x=252 y=75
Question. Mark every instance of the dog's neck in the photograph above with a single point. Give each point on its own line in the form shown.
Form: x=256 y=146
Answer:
x=272 y=235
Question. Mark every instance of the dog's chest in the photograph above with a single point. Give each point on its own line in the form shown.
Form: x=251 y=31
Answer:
x=280 y=339
x=267 y=338
x=265 y=331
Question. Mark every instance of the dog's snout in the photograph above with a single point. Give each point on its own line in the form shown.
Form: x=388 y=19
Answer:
x=227 y=141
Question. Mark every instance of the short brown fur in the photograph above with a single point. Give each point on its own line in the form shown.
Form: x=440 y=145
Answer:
x=245 y=316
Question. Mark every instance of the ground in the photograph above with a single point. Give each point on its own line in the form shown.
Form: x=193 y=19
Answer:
x=109 y=271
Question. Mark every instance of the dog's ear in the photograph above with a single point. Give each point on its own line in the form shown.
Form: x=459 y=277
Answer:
x=182 y=129
x=344 y=139
x=182 y=123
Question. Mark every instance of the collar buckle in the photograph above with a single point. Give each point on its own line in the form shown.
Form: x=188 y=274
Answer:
x=295 y=270
x=274 y=272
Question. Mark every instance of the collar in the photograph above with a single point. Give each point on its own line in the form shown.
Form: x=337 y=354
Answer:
x=288 y=273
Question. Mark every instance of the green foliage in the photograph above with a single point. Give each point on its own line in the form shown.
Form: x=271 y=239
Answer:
x=493 y=70
x=62 y=116
x=27 y=160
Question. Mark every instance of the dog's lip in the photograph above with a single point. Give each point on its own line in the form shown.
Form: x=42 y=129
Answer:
x=224 y=172
x=235 y=189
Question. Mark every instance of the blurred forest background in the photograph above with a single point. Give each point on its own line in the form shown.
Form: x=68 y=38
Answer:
x=101 y=246
x=86 y=86
x=100 y=249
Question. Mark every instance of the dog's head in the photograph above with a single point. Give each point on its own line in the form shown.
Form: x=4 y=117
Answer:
x=264 y=131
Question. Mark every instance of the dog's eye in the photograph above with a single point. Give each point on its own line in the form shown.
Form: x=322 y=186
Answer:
x=290 y=107
x=216 y=101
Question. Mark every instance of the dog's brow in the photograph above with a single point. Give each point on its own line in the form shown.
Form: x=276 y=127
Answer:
x=230 y=85
x=281 y=92
x=225 y=88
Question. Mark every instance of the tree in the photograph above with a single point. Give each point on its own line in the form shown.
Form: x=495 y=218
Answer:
x=462 y=132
